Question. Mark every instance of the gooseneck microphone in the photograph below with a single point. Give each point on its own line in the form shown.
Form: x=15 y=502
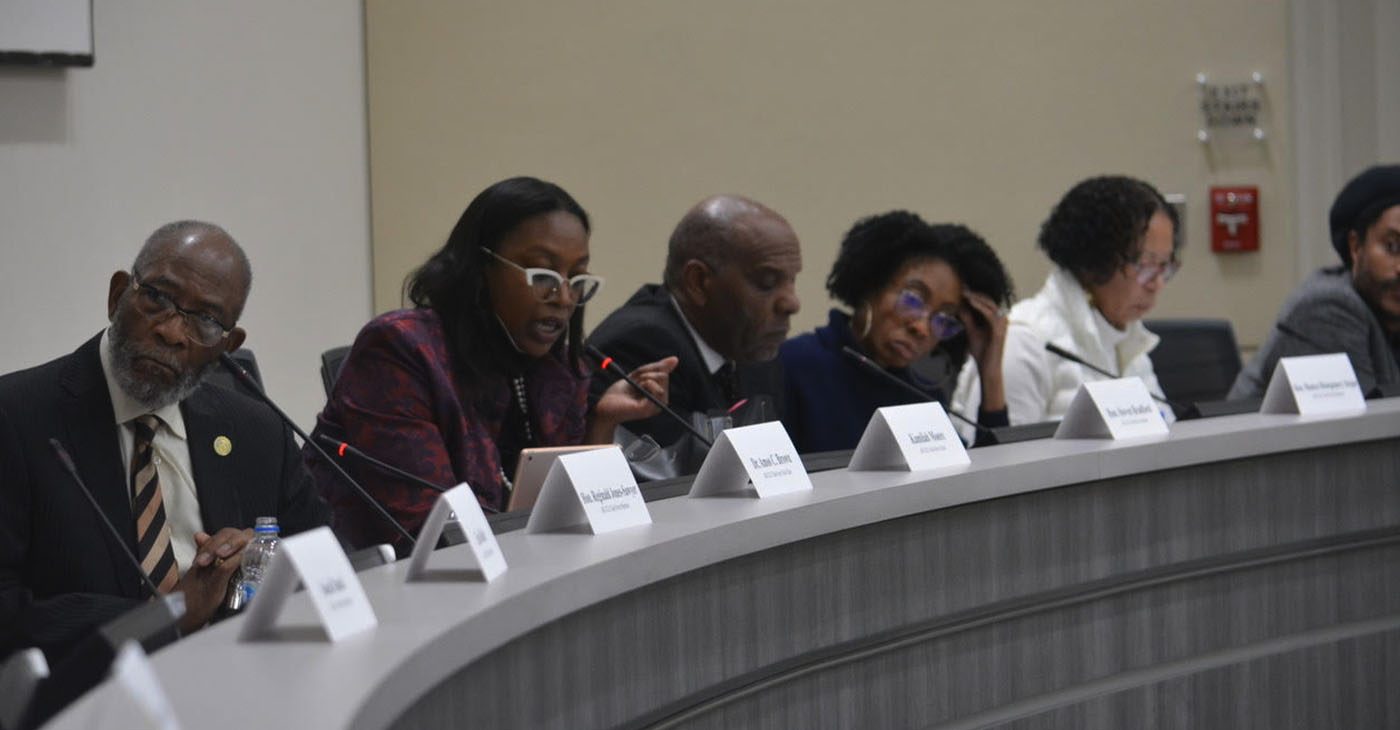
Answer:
x=1295 y=334
x=153 y=624
x=341 y=448
x=68 y=466
x=238 y=372
x=1066 y=354
x=876 y=369
x=606 y=364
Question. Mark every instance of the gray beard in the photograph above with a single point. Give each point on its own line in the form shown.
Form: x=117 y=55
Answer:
x=154 y=396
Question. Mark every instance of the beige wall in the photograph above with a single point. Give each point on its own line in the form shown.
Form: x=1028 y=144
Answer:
x=982 y=113
x=249 y=114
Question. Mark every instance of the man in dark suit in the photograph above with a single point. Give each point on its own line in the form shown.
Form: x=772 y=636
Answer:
x=724 y=309
x=181 y=468
x=1353 y=308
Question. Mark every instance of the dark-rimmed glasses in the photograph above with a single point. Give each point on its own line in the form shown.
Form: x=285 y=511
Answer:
x=911 y=305
x=546 y=283
x=158 y=306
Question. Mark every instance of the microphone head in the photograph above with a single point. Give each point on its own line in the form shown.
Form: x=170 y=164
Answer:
x=62 y=453
x=232 y=366
x=336 y=445
x=604 y=362
x=1062 y=352
x=244 y=377
x=859 y=357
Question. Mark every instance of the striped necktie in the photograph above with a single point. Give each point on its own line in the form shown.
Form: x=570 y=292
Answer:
x=153 y=546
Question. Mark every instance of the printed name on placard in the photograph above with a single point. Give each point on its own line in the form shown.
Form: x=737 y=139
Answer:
x=610 y=499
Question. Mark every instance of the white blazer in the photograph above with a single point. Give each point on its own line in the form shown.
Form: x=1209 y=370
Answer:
x=1039 y=384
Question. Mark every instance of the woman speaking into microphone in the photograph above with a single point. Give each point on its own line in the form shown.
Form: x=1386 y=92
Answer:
x=487 y=362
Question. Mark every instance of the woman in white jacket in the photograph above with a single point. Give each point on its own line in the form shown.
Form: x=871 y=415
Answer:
x=1114 y=244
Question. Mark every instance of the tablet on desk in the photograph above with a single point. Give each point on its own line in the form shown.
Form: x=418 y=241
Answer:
x=533 y=467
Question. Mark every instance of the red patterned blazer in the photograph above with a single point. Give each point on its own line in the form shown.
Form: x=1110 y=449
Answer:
x=397 y=400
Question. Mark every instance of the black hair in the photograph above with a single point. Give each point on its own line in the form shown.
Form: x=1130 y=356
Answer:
x=976 y=263
x=1360 y=204
x=874 y=249
x=980 y=270
x=1097 y=227
x=452 y=282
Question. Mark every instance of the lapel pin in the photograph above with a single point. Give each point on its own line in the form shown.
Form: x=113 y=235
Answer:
x=222 y=446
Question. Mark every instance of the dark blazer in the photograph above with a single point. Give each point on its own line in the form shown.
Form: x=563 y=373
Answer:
x=648 y=328
x=1324 y=314
x=61 y=573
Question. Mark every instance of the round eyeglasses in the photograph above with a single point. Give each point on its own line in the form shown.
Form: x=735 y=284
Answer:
x=546 y=283
x=158 y=306
x=943 y=326
x=1146 y=271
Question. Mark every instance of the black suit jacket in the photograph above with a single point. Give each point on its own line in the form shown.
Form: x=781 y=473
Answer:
x=61 y=573
x=647 y=328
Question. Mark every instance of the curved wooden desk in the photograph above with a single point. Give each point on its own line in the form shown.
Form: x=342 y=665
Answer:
x=1244 y=572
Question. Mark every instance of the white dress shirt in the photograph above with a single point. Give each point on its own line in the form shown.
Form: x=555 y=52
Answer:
x=171 y=453
x=713 y=360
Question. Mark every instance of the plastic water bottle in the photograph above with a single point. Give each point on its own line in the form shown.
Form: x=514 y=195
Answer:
x=257 y=556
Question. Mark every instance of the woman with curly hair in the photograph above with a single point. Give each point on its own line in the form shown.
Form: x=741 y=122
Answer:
x=914 y=290
x=1114 y=243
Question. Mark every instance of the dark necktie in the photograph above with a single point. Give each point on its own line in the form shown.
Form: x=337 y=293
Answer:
x=153 y=546
x=728 y=378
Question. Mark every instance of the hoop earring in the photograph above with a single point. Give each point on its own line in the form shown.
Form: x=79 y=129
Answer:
x=863 y=311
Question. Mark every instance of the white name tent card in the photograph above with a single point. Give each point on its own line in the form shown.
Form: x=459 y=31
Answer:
x=484 y=550
x=762 y=454
x=1115 y=409
x=133 y=674
x=316 y=558
x=594 y=488
x=913 y=437
x=1313 y=384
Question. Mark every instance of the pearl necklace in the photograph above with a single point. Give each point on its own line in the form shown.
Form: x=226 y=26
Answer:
x=518 y=385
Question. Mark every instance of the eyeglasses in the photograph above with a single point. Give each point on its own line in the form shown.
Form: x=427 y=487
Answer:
x=943 y=326
x=546 y=283
x=1147 y=271
x=158 y=306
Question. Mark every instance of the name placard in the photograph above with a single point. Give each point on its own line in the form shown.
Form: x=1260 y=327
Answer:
x=911 y=437
x=595 y=488
x=761 y=454
x=1115 y=409
x=132 y=671
x=485 y=551
x=316 y=559
x=1313 y=384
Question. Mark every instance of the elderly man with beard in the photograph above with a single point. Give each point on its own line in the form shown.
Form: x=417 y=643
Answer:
x=1353 y=308
x=181 y=468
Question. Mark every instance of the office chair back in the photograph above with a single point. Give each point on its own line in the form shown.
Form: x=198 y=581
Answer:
x=1197 y=359
x=331 y=360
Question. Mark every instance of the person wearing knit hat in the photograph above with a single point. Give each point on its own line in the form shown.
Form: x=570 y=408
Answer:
x=1352 y=308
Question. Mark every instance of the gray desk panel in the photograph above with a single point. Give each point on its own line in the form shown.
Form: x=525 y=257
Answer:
x=719 y=596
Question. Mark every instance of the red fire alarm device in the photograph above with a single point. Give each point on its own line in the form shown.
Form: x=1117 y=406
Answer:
x=1234 y=219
